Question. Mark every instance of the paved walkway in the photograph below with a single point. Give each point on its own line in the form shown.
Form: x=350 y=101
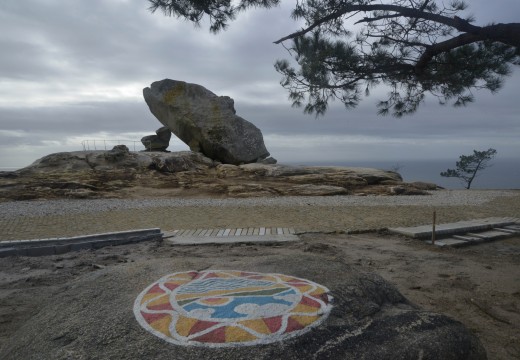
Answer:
x=464 y=233
x=230 y=235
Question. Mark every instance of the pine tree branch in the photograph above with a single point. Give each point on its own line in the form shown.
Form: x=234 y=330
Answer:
x=445 y=46
x=506 y=33
x=455 y=22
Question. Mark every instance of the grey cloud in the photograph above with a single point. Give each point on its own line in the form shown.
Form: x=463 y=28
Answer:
x=61 y=47
x=80 y=118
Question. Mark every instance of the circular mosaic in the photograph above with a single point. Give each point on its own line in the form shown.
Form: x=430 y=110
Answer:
x=230 y=308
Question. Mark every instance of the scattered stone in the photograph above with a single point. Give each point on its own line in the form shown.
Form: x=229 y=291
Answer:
x=117 y=153
x=158 y=142
x=316 y=190
x=269 y=160
x=181 y=161
x=207 y=123
x=420 y=185
x=397 y=190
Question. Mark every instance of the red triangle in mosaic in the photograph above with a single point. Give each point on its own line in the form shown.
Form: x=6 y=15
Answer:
x=156 y=289
x=273 y=323
x=197 y=275
x=293 y=325
x=324 y=297
x=215 y=336
x=309 y=302
x=243 y=273
x=166 y=306
x=200 y=326
x=193 y=274
x=171 y=286
x=150 y=318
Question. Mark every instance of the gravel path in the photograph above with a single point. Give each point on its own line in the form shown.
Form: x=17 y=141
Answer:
x=10 y=210
x=55 y=218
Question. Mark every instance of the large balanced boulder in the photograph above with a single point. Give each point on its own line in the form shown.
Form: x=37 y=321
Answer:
x=207 y=123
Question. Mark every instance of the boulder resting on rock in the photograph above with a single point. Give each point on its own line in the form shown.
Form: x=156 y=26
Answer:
x=207 y=123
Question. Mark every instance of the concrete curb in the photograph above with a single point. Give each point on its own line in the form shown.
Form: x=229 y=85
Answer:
x=55 y=246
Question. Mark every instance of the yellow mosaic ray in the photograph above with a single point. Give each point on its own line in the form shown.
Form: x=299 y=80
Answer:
x=162 y=325
x=235 y=334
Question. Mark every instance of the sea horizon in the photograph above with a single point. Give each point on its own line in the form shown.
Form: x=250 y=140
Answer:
x=501 y=174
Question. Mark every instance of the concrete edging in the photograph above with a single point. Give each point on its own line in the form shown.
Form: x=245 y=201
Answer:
x=457 y=228
x=56 y=246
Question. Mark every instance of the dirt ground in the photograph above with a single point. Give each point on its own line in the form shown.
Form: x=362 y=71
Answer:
x=478 y=286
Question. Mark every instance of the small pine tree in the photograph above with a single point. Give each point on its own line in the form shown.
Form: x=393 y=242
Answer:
x=469 y=165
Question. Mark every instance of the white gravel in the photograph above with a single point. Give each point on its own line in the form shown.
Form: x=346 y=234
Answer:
x=10 y=210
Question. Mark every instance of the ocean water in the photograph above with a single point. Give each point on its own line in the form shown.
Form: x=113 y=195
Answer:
x=502 y=174
x=8 y=168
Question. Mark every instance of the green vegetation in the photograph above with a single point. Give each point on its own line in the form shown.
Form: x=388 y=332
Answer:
x=347 y=47
x=469 y=165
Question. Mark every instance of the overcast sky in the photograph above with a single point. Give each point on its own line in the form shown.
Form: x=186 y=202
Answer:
x=74 y=70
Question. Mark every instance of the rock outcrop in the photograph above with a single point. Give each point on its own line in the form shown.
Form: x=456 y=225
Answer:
x=158 y=142
x=207 y=123
x=370 y=319
x=122 y=173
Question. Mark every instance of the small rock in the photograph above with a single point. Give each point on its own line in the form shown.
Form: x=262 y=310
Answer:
x=269 y=160
x=158 y=142
x=397 y=190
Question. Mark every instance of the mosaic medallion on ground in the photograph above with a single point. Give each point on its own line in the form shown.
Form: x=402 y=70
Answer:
x=217 y=308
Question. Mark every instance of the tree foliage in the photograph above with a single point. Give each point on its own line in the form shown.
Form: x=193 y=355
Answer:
x=346 y=47
x=469 y=165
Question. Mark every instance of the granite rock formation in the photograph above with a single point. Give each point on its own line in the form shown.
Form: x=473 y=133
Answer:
x=122 y=173
x=370 y=319
x=158 y=142
x=207 y=123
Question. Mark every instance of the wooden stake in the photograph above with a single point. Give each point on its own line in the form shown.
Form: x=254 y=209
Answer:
x=433 y=227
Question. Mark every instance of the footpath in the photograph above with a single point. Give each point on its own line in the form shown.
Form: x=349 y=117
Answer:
x=463 y=233
x=455 y=234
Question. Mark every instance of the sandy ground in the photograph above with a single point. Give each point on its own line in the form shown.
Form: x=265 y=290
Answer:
x=318 y=214
x=479 y=286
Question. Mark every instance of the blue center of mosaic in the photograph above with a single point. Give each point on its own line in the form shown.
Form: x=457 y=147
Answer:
x=238 y=298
